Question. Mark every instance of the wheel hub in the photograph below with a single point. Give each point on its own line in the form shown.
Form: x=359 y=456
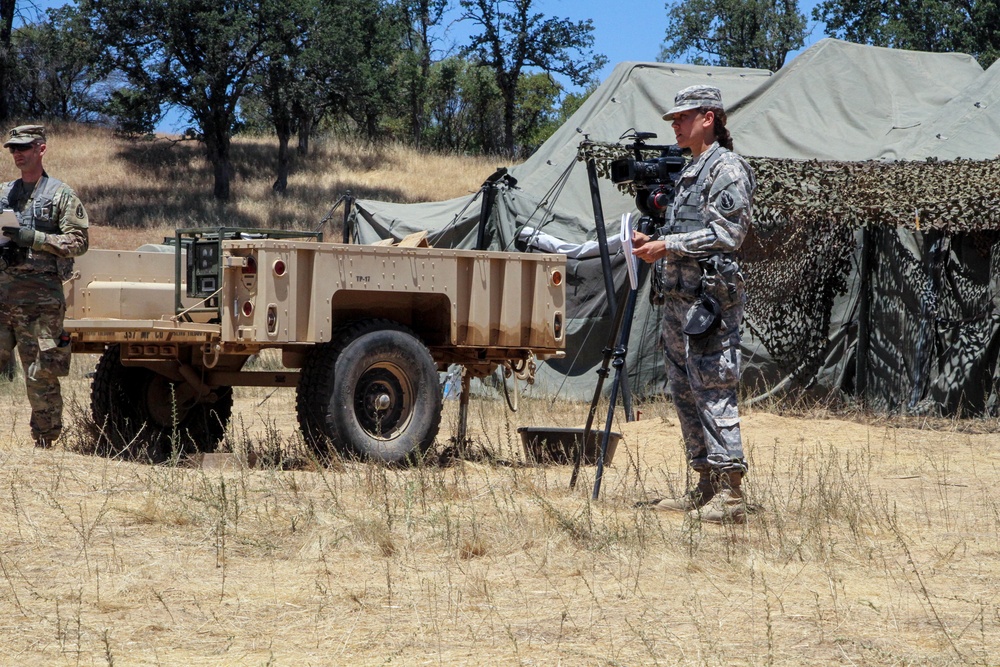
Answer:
x=383 y=401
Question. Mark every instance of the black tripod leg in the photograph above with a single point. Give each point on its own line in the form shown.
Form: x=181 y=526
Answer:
x=602 y=373
x=619 y=364
x=599 y=475
x=602 y=244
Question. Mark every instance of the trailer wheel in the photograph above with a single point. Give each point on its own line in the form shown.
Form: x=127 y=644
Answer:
x=373 y=392
x=140 y=411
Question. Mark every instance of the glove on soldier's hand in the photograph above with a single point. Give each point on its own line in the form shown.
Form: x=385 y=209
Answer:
x=22 y=236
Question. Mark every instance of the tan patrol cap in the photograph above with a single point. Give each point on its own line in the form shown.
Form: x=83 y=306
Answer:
x=25 y=134
x=695 y=97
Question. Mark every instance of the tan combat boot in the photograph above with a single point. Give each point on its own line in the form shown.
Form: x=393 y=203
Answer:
x=692 y=500
x=728 y=504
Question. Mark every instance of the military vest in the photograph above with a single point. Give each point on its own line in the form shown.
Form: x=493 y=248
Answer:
x=686 y=215
x=685 y=275
x=40 y=216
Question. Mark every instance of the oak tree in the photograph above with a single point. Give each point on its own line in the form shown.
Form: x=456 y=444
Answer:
x=733 y=33
x=512 y=38
x=198 y=55
x=966 y=26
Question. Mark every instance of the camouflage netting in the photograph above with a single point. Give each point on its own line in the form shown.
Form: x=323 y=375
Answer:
x=928 y=278
x=954 y=196
x=923 y=310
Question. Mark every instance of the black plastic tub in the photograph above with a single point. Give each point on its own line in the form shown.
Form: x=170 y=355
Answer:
x=553 y=445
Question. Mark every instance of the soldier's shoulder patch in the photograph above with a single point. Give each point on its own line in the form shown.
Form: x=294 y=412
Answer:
x=726 y=202
x=729 y=199
x=80 y=213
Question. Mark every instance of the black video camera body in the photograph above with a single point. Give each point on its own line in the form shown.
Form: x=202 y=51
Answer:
x=653 y=178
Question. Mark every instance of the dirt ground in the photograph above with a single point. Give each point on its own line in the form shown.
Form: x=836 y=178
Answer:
x=874 y=544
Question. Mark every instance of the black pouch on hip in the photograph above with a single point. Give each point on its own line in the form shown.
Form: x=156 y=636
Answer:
x=703 y=317
x=11 y=256
x=656 y=289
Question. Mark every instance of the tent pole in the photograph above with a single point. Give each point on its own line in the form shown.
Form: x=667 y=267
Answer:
x=348 y=207
x=864 y=314
x=489 y=191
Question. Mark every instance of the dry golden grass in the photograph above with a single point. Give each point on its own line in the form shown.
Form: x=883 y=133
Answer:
x=875 y=544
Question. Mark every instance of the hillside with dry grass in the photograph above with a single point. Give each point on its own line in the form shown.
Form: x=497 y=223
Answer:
x=139 y=191
x=875 y=542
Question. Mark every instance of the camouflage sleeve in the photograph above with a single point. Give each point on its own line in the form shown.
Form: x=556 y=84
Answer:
x=71 y=216
x=727 y=207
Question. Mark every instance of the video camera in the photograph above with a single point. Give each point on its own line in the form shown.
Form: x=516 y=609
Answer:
x=652 y=178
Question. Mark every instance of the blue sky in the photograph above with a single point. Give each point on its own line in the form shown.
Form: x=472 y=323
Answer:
x=623 y=30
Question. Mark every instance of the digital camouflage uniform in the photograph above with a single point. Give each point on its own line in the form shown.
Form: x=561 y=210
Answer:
x=708 y=221
x=32 y=303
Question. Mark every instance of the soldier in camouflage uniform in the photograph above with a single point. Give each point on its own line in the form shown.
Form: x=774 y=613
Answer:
x=36 y=259
x=695 y=253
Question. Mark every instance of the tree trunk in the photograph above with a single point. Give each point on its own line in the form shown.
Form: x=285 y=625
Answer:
x=283 y=128
x=305 y=123
x=508 y=121
x=223 y=170
x=217 y=147
x=7 y=64
x=418 y=95
x=281 y=184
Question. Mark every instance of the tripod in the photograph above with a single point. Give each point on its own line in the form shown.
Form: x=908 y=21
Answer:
x=614 y=355
x=653 y=198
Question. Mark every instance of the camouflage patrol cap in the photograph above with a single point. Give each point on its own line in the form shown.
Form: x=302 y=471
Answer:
x=25 y=134
x=695 y=97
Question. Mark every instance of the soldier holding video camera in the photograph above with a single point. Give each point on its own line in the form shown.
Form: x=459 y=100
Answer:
x=35 y=260
x=703 y=298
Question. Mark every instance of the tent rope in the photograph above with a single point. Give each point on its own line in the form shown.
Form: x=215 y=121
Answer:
x=458 y=216
x=548 y=199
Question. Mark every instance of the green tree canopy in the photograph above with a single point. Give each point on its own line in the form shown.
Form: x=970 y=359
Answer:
x=513 y=38
x=198 y=55
x=421 y=18
x=54 y=77
x=733 y=33
x=965 y=26
x=323 y=58
x=537 y=117
x=10 y=63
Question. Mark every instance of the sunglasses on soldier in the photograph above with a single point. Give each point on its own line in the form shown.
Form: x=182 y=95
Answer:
x=20 y=148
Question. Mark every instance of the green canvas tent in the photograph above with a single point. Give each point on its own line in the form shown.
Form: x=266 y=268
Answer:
x=836 y=103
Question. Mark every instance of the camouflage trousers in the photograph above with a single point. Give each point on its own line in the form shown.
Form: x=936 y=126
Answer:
x=703 y=378
x=34 y=326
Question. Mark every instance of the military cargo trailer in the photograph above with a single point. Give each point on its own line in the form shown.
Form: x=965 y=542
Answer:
x=362 y=331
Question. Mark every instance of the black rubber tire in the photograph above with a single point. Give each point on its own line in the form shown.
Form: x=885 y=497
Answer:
x=372 y=392
x=135 y=408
